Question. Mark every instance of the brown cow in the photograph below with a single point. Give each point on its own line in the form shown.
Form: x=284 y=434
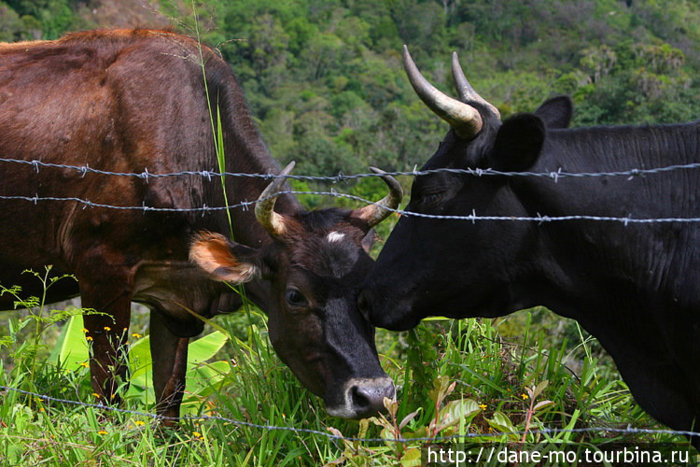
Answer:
x=134 y=100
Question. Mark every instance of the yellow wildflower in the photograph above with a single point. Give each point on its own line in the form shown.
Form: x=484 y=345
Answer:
x=136 y=335
x=139 y=423
x=107 y=328
x=102 y=432
x=88 y=338
x=84 y=364
x=524 y=396
x=482 y=406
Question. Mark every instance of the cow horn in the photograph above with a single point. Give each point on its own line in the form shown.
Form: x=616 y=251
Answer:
x=464 y=118
x=373 y=214
x=465 y=90
x=265 y=207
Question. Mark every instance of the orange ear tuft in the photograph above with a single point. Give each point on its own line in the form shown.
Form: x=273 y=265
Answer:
x=213 y=253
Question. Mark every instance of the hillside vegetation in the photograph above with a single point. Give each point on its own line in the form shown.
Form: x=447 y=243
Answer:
x=324 y=79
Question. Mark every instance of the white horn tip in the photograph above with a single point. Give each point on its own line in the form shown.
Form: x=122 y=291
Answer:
x=288 y=168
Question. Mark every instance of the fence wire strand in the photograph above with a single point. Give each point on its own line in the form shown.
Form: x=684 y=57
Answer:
x=245 y=205
x=473 y=217
x=331 y=436
x=209 y=174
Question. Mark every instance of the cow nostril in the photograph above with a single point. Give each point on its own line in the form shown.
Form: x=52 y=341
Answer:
x=368 y=398
x=359 y=400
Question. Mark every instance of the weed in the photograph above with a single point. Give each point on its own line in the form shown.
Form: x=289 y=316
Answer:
x=459 y=382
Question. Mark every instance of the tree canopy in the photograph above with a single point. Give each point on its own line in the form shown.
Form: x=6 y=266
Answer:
x=325 y=82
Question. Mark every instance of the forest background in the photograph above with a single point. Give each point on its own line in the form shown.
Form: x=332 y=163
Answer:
x=325 y=83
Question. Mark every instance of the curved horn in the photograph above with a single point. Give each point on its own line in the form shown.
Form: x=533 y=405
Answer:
x=465 y=90
x=464 y=118
x=373 y=214
x=265 y=207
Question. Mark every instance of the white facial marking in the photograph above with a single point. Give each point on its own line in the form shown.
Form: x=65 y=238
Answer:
x=335 y=237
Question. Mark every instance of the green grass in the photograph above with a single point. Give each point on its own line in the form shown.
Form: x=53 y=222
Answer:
x=481 y=379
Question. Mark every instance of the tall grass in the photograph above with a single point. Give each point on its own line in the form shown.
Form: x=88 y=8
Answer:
x=459 y=378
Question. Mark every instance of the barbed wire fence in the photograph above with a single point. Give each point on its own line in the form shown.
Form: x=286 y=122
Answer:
x=473 y=216
x=333 y=436
x=555 y=176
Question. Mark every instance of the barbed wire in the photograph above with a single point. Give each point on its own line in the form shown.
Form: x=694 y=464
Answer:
x=332 y=436
x=472 y=217
x=245 y=205
x=340 y=177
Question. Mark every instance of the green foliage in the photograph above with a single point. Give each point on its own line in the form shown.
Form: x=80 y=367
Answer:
x=203 y=377
x=30 y=19
x=71 y=353
x=460 y=378
x=325 y=82
x=10 y=25
x=24 y=341
x=464 y=378
x=327 y=89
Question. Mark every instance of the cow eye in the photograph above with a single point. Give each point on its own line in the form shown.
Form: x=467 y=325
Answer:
x=431 y=199
x=294 y=297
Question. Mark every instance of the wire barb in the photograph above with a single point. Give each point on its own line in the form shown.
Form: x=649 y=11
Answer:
x=341 y=177
x=332 y=436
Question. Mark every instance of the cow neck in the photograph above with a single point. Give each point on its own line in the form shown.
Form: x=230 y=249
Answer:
x=245 y=153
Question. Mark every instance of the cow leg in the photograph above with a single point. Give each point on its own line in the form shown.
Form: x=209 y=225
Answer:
x=169 y=355
x=107 y=333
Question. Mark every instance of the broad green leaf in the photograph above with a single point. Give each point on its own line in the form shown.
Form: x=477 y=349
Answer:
x=411 y=458
x=200 y=376
x=205 y=348
x=502 y=423
x=73 y=348
x=441 y=388
x=541 y=405
x=456 y=410
x=421 y=432
x=140 y=362
x=540 y=387
x=392 y=406
x=387 y=434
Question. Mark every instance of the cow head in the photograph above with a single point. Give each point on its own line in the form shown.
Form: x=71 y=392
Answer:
x=460 y=268
x=313 y=266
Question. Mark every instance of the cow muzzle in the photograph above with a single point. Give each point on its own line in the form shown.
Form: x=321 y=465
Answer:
x=363 y=397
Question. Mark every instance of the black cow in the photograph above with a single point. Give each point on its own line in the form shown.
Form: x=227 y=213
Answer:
x=636 y=287
x=133 y=100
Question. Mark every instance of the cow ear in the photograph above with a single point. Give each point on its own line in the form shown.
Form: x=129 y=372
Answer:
x=518 y=143
x=368 y=240
x=224 y=260
x=556 y=112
